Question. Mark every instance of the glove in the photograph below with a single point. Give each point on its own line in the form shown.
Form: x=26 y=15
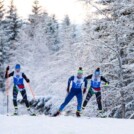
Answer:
x=7 y=69
x=68 y=89
x=106 y=84
x=28 y=81
x=84 y=90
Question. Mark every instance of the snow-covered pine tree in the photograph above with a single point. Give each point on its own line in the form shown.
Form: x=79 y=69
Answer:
x=67 y=39
x=12 y=25
x=36 y=7
x=52 y=33
x=35 y=16
x=13 y=22
x=1 y=10
x=1 y=62
x=113 y=31
x=2 y=45
x=72 y=42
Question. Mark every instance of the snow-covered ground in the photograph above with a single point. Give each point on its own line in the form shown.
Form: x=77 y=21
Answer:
x=63 y=125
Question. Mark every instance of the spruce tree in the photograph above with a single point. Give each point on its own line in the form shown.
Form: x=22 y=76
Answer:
x=36 y=8
x=34 y=17
x=1 y=10
x=112 y=44
x=13 y=22
x=2 y=42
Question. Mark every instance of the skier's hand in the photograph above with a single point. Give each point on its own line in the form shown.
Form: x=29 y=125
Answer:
x=84 y=90
x=28 y=81
x=106 y=84
x=67 y=89
x=7 y=69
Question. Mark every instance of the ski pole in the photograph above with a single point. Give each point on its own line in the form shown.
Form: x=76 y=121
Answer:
x=7 y=105
x=32 y=94
x=7 y=92
x=31 y=91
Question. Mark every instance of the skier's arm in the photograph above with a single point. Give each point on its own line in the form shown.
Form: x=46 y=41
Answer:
x=89 y=77
x=69 y=82
x=85 y=86
x=103 y=79
x=85 y=81
x=8 y=75
x=25 y=77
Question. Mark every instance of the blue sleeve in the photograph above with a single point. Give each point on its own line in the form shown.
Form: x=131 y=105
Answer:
x=85 y=80
x=69 y=81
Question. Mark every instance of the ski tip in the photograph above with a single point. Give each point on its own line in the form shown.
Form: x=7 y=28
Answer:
x=33 y=115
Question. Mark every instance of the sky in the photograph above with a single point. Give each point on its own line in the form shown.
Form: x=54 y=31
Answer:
x=60 y=8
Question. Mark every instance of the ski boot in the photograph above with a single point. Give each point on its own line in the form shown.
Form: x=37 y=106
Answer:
x=30 y=112
x=15 y=111
x=78 y=114
x=101 y=114
x=57 y=113
x=83 y=108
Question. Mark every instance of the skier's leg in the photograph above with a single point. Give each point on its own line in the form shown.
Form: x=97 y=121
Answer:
x=89 y=95
x=15 y=93
x=98 y=98
x=67 y=100
x=24 y=95
x=79 y=101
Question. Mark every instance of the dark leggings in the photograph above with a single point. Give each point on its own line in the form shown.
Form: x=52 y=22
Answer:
x=98 y=98
x=24 y=95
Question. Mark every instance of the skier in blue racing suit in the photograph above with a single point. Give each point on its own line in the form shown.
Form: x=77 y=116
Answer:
x=95 y=88
x=76 y=90
x=18 y=80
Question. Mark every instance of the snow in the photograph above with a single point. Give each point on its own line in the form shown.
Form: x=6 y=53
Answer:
x=50 y=52
x=64 y=125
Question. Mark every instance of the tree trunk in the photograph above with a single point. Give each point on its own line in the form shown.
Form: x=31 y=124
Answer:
x=121 y=79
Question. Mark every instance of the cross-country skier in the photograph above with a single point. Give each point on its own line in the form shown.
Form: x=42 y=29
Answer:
x=76 y=90
x=95 y=88
x=18 y=80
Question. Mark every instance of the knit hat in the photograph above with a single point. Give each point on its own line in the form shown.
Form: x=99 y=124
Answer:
x=80 y=71
x=17 y=66
x=97 y=70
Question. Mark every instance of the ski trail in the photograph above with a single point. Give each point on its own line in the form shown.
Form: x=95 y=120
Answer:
x=63 y=125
